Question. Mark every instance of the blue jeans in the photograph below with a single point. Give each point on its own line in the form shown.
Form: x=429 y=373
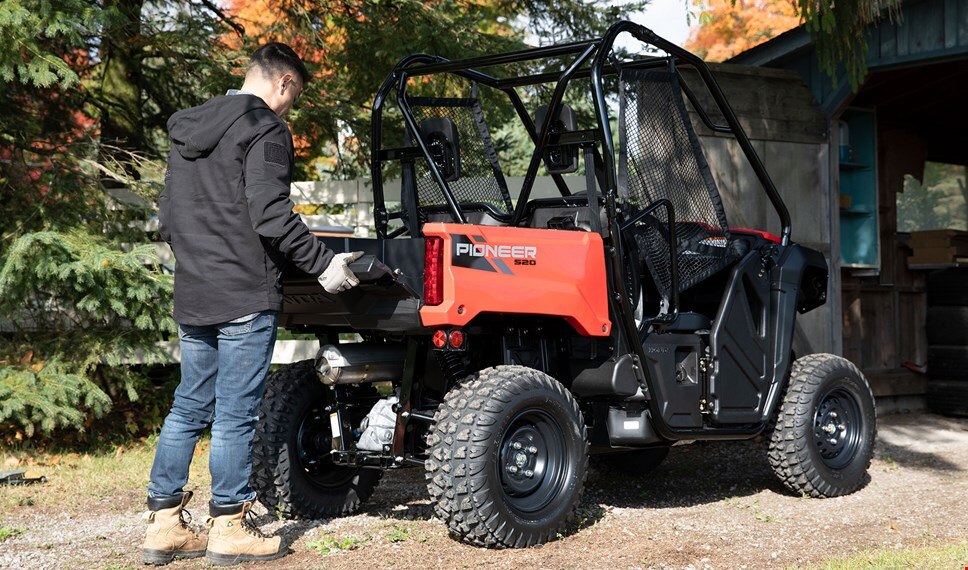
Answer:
x=223 y=372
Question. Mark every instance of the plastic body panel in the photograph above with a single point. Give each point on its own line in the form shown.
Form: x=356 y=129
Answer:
x=392 y=307
x=673 y=362
x=752 y=336
x=613 y=377
x=632 y=428
x=740 y=338
x=512 y=270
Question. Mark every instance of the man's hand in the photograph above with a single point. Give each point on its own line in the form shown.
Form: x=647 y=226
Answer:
x=338 y=277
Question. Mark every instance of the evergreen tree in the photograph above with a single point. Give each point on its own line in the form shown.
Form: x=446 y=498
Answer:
x=86 y=88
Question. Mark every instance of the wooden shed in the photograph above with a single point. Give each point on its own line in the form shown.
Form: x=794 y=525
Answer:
x=909 y=115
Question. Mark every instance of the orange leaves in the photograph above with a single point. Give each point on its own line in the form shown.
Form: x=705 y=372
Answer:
x=27 y=360
x=727 y=28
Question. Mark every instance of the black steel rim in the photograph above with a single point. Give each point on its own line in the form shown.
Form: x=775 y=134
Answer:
x=533 y=461
x=837 y=427
x=314 y=441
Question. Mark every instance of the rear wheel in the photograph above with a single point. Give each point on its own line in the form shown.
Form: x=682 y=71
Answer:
x=508 y=458
x=292 y=470
x=824 y=436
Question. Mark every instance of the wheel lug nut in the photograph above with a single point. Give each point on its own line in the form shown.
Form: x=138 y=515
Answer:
x=529 y=473
x=532 y=449
x=833 y=441
x=516 y=445
x=512 y=469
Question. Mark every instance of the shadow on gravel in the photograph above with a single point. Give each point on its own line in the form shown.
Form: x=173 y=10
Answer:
x=402 y=495
x=696 y=474
x=291 y=530
x=906 y=457
x=908 y=440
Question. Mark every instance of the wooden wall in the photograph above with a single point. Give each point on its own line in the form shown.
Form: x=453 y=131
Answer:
x=789 y=132
x=884 y=314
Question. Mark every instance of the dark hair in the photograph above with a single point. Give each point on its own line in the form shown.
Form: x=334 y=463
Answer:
x=277 y=58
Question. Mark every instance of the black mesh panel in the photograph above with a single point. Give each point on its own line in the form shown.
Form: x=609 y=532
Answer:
x=660 y=157
x=481 y=179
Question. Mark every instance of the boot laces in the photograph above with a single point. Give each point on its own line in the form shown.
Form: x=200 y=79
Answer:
x=249 y=526
x=186 y=518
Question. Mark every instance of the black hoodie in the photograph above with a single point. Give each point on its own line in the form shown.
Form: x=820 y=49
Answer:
x=226 y=212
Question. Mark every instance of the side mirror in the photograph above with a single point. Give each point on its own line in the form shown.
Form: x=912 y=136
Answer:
x=559 y=159
x=440 y=136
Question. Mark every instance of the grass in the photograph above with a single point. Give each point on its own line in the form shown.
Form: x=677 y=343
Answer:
x=328 y=544
x=7 y=531
x=403 y=533
x=889 y=464
x=754 y=507
x=95 y=480
x=952 y=556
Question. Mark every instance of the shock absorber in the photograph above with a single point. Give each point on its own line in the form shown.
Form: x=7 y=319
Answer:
x=452 y=366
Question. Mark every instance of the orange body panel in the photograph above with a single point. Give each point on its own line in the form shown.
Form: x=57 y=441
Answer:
x=494 y=269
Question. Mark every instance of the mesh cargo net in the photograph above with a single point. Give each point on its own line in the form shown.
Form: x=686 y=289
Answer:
x=660 y=157
x=481 y=179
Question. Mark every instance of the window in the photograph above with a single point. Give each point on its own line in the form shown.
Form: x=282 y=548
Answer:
x=938 y=202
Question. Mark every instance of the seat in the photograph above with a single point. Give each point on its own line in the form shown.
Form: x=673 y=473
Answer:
x=660 y=157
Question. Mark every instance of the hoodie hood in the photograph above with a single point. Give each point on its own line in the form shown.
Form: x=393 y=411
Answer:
x=196 y=131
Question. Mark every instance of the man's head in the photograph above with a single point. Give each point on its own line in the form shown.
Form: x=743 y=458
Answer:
x=277 y=75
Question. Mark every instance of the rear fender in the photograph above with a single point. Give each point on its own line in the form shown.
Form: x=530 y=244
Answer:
x=496 y=269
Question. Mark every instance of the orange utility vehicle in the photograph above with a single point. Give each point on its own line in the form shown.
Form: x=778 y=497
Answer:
x=499 y=343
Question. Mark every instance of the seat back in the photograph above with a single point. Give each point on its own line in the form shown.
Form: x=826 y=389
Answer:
x=476 y=177
x=660 y=157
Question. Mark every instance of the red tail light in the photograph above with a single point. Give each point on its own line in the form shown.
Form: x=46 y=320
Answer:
x=456 y=339
x=434 y=271
x=439 y=339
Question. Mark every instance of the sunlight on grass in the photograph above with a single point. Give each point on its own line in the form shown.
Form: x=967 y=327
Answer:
x=99 y=477
x=327 y=543
x=6 y=532
x=940 y=557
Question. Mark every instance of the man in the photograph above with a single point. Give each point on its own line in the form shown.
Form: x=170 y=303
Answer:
x=226 y=213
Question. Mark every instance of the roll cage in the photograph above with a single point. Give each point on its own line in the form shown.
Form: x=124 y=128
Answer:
x=602 y=64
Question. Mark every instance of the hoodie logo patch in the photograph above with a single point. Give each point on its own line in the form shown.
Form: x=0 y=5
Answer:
x=276 y=154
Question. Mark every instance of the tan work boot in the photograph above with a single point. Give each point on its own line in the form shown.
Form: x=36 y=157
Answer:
x=232 y=539
x=168 y=536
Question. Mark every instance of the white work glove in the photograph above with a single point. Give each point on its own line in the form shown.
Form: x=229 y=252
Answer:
x=338 y=277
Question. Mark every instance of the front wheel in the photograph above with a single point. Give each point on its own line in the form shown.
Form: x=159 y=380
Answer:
x=508 y=458
x=824 y=436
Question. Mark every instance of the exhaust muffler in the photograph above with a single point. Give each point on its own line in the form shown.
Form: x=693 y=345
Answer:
x=356 y=363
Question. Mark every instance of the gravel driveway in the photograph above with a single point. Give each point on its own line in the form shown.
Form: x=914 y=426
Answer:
x=707 y=506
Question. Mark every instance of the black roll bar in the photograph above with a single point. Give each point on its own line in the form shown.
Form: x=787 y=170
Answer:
x=434 y=171
x=503 y=58
x=422 y=64
x=673 y=310
x=553 y=107
x=376 y=137
x=646 y=35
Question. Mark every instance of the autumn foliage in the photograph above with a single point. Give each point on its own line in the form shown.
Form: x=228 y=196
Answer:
x=729 y=27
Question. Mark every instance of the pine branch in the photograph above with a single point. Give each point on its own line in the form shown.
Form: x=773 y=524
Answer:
x=239 y=29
